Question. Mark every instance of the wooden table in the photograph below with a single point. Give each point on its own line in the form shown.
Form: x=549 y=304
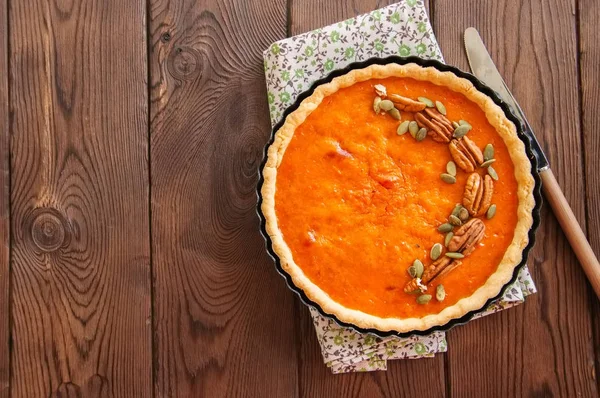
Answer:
x=130 y=259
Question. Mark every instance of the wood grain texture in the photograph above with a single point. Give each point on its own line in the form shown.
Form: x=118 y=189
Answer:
x=80 y=265
x=541 y=348
x=315 y=379
x=223 y=317
x=589 y=59
x=4 y=207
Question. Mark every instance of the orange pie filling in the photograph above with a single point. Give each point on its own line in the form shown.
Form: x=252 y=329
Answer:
x=358 y=199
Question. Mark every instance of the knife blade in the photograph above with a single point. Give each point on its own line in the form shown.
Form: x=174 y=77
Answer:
x=485 y=70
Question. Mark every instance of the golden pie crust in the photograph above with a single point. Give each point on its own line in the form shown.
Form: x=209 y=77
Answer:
x=522 y=169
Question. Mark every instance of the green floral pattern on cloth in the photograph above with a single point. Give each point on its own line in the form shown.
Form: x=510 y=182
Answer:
x=291 y=66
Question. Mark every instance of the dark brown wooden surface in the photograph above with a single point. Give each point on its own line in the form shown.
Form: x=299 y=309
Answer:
x=130 y=139
x=80 y=281
x=4 y=207
x=224 y=323
x=588 y=14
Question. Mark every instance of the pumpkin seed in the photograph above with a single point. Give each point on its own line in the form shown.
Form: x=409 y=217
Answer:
x=386 y=105
x=454 y=220
x=426 y=101
x=455 y=255
x=448 y=238
x=487 y=163
x=421 y=134
x=418 y=291
x=419 y=268
x=456 y=209
x=491 y=212
x=412 y=272
x=460 y=131
x=455 y=124
x=436 y=251
x=440 y=107
x=451 y=168
x=440 y=293
x=403 y=127
x=380 y=90
x=464 y=123
x=488 y=152
x=424 y=299
x=395 y=113
x=376 y=103
x=413 y=127
x=446 y=227
x=463 y=214
x=447 y=178
x=492 y=172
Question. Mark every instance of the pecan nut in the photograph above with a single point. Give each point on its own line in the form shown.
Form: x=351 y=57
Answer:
x=406 y=104
x=438 y=125
x=440 y=267
x=466 y=154
x=477 y=197
x=467 y=237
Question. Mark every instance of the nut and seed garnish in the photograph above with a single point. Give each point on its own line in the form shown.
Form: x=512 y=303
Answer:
x=488 y=152
x=406 y=104
x=455 y=125
x=466 y=154
x=426 y=101
x=424 y=299
x=491 y=212
x=440 y=293
x=421 y=134
x=464 y=123
x=413 y=127
x=455 y=255
x=440 y=107
x=447 y=178
x=376 y=103
x=437 y=269
x=439 y=126
x=461 y=131
x=436 y=251
x=403 y=127
x=449 y=236
x=477 y=196
x=454 y=221
x=492 y=172
x=395 y=113
x=418 y=268
x=451 y=168
x=463 y=214
x=446 y=227
x=386 y=105
x=467 y=237
x=380 y=90
x=456 y=209
x=487 y=163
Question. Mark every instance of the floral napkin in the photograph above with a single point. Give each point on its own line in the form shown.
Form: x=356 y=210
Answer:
x=291 y=66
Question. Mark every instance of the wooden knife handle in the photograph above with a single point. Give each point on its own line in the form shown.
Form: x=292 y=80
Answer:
x=571 y=228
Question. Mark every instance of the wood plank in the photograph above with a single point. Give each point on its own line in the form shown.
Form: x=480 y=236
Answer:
x=315 y=379
x=542 y=347
x=81 y=255
x=589 y=53
x=4 y=207
x=224 y=318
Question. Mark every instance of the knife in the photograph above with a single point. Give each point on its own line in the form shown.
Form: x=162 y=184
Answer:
x=484 y=69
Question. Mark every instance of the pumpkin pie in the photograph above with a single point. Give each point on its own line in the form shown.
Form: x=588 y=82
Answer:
x=398 y=197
